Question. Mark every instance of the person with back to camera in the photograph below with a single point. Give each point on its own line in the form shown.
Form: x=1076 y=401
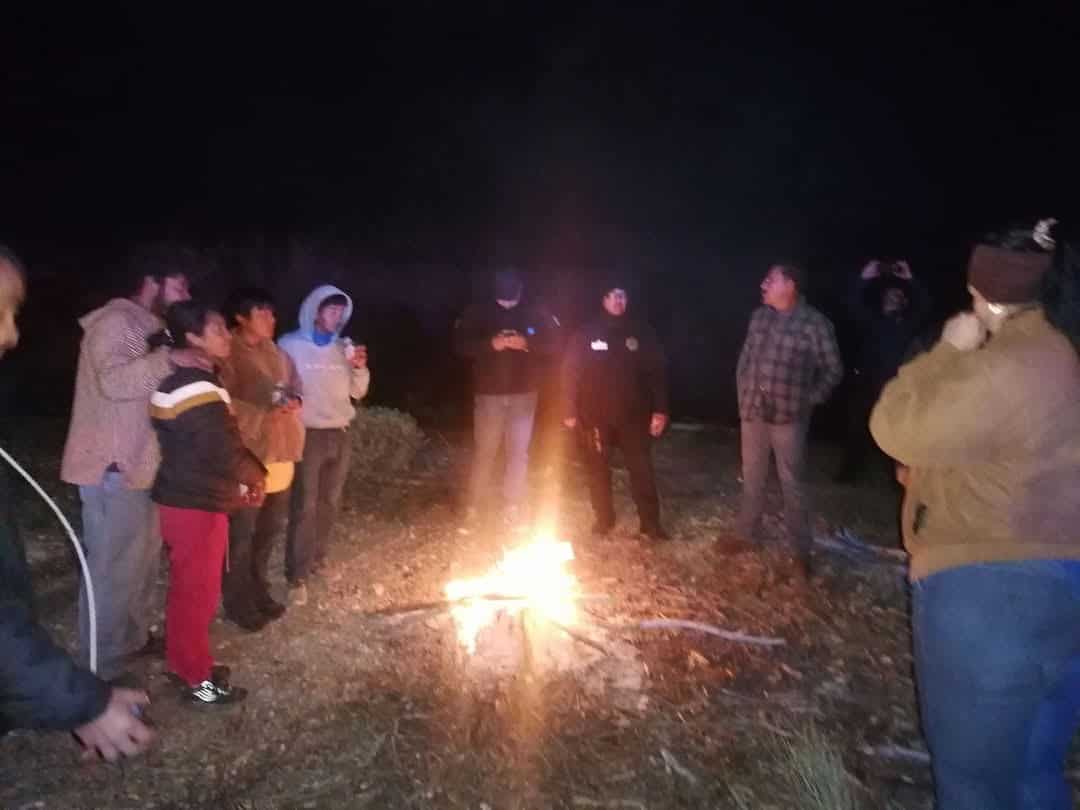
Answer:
x=205 y=473
x=987 y=425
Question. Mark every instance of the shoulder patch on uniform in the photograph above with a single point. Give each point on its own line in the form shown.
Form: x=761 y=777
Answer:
x=632 y=343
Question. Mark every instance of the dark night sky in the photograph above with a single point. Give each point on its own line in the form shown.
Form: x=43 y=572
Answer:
x=686 y=140
x=456 y=127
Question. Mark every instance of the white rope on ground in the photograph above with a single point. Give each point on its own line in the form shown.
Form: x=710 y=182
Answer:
x=78 y=551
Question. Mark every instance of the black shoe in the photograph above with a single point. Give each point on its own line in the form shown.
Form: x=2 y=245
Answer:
x=252 y=621
x=601 y=528
x=125 y=680
x=655 y=533
x=153 y=648
x=272 y=610
x=216 y=691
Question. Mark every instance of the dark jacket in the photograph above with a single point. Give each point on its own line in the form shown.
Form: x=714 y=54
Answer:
x=885 y=341
x=203 y=459
x=508 y=371
x=40 y=685
x=614 y=372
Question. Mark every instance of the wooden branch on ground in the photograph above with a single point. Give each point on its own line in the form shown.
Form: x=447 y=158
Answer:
x=447 y=604
x=576 y=636
x=712 y=630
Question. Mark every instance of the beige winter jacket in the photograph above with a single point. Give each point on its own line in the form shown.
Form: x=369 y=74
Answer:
x=992 y=437
x=110 y=417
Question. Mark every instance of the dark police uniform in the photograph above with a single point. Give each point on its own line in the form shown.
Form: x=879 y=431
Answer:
x=614 y=379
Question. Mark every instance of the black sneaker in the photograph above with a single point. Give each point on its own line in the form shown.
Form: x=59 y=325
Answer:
x=602 y=528
x=153 y=648
x=216 y=691
x=655 y=533
x=272 y=609
x=252 y=622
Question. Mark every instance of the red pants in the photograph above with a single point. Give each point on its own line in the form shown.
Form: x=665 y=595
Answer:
x=196 y=541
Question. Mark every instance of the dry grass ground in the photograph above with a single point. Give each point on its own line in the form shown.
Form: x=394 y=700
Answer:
x=351 y=710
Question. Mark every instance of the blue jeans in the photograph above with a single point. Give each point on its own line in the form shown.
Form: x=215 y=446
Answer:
x=122 y=541
x=997 y=658
x=499 y=419
x=787 y=443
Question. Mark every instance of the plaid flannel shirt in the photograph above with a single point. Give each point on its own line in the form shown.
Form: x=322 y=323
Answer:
x=789 y=363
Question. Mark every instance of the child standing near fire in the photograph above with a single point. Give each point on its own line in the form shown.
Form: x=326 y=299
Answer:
x=205 y=473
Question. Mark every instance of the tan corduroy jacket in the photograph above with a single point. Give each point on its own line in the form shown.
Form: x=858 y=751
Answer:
x=110 y=417
x=992 y=440
x=250 y=375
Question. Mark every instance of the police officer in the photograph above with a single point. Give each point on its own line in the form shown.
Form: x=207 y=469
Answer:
x=615 y=388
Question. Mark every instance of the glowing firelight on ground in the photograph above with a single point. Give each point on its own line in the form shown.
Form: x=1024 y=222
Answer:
x=534 y=577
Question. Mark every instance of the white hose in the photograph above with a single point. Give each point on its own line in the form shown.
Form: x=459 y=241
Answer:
x=78 y=550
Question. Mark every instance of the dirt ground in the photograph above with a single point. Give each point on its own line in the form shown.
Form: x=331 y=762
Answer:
x=349 y=708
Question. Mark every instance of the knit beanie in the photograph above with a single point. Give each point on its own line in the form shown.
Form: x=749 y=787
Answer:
x=1004 y=276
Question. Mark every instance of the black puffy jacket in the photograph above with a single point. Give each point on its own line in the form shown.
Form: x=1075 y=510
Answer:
x=203 y=458
x=40 y=685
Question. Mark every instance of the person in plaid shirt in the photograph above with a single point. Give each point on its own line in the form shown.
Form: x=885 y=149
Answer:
x=789 y=364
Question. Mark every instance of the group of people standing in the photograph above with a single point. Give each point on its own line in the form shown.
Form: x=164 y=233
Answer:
x=983 y=426
x=191 y=428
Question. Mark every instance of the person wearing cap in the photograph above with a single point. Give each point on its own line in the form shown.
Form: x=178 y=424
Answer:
x=988 y=427
x=508 y=342
x=615 y=390
x=789 y=364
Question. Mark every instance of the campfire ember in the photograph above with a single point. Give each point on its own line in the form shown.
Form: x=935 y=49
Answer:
x=532 y=577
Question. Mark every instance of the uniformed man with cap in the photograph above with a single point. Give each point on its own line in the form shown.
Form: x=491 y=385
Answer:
x=615 y=390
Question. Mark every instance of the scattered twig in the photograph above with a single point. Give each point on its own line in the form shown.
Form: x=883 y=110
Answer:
x=576 y=636
x=845 y=540
x=892 y=751
x=712 y=630
x=446 y=604
x=585 y=801
x=672 y=764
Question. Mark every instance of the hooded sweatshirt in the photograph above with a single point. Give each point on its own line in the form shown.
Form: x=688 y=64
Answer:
x=110 y=421
x=329 y=379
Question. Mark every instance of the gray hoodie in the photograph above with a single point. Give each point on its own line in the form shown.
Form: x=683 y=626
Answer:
x=330 y=381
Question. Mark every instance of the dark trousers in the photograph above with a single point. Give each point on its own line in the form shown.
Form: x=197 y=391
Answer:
x=316 y=496
x=252 y=535
x=634 y=440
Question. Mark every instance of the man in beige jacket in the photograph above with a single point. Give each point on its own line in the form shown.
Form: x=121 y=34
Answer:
x=112 y=455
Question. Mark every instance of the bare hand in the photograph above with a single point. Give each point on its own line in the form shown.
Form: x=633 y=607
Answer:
x=516 y=342
x=657 y=424
x=870 y=271
x=291 y=405
x=570 y=422
x=964 y=332
x=498 y=343
x=117 y=731
x=901 y=474
x=190 y=358
x=903 y=270
x=359 y=358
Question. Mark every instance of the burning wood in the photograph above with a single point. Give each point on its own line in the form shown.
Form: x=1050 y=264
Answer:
x=534 y=575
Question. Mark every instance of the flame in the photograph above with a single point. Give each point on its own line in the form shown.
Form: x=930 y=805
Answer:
x=536 y=573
